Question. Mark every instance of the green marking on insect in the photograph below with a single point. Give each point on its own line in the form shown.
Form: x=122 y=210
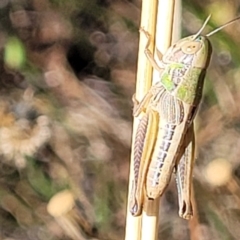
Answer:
x=188 y=89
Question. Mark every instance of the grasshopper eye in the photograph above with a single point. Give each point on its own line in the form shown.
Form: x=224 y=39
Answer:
x=190 y=47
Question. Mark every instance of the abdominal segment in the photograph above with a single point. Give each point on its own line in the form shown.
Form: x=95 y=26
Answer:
x=163 y=159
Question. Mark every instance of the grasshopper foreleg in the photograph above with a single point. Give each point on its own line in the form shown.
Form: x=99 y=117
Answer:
x=158 y=66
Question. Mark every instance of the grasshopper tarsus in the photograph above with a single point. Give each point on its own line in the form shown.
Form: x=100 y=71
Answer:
x=185 y=211
x=146 y=33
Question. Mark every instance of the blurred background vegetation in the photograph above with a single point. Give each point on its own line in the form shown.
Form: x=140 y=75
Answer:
x=67 y=76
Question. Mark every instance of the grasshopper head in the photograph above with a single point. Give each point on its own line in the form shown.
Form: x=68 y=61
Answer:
x=193 y=50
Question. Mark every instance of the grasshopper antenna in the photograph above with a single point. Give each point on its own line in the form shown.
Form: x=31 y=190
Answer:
x=223 y=26
x=203 y=26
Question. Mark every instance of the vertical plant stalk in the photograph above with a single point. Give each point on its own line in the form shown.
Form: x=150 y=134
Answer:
x=164 y=29
x=143 y=83
x=156 y=18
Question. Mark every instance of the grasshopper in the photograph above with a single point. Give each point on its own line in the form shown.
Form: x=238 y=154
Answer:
x=164 y=140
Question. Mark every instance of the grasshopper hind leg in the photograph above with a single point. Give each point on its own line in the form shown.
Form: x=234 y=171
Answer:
x=144 y=143
x=184 y=176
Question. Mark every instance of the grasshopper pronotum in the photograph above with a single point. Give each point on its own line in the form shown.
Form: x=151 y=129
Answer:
x=165 y=137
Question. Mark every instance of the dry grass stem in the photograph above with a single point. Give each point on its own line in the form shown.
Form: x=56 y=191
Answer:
x=147 y=229
x=143 y=83
x=164 y=27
